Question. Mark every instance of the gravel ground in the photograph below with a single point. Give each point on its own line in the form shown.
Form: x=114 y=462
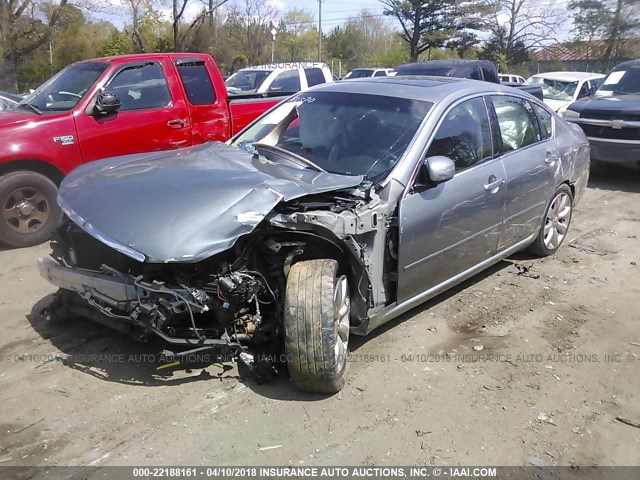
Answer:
x=506 y=369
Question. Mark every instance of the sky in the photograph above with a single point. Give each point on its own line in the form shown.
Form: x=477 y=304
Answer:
x=334 y=12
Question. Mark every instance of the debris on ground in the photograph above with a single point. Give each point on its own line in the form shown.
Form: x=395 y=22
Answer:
x=270 y=448
x=432 y=329
x=29 y=425
x=628 y=422
x=524 y=271
x=581 y=244
x=535 y=461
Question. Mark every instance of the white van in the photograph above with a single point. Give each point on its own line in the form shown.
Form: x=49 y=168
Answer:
x=278 y=78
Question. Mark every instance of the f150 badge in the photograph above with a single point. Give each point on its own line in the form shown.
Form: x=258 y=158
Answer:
x=64 y=139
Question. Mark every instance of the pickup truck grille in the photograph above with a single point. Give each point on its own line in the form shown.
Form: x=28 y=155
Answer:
x=613 y=133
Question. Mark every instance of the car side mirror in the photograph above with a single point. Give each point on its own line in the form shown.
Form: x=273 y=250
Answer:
x=437 y=169
x=107 y=103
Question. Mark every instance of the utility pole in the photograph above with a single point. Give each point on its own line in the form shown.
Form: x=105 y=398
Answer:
x=274 y=32
x=319 y=30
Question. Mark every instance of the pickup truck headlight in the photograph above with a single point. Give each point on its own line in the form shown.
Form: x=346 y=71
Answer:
x=568 y=113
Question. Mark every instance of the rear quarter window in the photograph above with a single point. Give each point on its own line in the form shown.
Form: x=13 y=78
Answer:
x=546 y=121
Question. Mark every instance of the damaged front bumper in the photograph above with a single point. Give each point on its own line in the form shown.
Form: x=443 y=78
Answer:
x=129 y=304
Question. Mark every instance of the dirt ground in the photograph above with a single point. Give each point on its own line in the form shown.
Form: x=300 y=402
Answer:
x=506 y=369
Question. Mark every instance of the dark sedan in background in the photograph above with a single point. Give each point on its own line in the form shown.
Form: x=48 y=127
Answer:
x=335 y=212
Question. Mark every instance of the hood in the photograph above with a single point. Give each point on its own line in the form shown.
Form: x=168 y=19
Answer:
x=13 y=118
x=608 y=106
x=556 y=104
x=184 y=205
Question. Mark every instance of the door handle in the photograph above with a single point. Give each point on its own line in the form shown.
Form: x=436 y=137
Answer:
x=176 y=124
x=494 y=184
x=551 y=159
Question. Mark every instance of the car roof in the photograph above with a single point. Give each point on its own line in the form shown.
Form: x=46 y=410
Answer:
x=414 y=87
x=285 y=66
x=569 y=76
x=627 y=64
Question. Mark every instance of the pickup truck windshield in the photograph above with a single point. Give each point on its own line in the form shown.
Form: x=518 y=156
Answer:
x=554 y=89
x=343 y=133
x=621 y=82
x=64 y=90
x=246 y=81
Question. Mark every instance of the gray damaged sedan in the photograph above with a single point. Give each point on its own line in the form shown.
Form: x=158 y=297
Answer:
x=336 y=211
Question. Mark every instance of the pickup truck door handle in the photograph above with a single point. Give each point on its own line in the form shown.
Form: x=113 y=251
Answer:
x=551 y=159
x=494 y=184
x=176 y=124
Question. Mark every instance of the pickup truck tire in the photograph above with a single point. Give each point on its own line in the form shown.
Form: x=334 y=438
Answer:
x=316 y=325
x=555 y=223
x=29 y=210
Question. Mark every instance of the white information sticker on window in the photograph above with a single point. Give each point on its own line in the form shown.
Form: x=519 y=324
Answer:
x=614 y=77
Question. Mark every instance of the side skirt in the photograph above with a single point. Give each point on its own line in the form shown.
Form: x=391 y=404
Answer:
x=394 y=310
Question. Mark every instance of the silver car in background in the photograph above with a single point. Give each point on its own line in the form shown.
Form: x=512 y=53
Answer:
x=336 y=211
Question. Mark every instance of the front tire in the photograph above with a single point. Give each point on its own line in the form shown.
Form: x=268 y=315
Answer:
x=555 y=224
x=316 y=325
x=30 y=212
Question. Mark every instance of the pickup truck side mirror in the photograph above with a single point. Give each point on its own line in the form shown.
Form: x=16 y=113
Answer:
x=436 y=170
x=107 y=103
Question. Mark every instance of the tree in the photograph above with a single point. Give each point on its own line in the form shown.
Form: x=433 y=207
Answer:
x=183 y=33
x=515 y=26
x=427 y=24
x=298 y=35
x=25 y=25
x=624 y=19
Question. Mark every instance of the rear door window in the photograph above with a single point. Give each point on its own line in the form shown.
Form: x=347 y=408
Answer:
x=380 y=73
x=315 y=76
x=140 y=87
x=517 y=122
x=196 y=81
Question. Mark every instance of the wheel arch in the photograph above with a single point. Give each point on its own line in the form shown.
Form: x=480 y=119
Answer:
x=50 y=171
x=319 y=247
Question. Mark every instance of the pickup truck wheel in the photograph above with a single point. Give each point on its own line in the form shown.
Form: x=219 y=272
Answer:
x=555 y=224
x=30 y=212
x=316 y=325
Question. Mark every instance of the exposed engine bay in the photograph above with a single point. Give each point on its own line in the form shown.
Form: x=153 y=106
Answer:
x=233 y=300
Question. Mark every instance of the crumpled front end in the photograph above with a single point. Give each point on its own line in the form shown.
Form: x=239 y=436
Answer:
x=221 y=302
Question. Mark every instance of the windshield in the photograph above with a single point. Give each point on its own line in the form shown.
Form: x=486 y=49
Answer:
x=64 y=90
x=359 y=73
x=554 y=89
x=625 y=82
x=344 y=133
x=246 y=81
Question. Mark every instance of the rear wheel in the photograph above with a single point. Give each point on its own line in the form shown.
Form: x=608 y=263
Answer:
x=29 y=209
x=556 y=223
x=316 y=325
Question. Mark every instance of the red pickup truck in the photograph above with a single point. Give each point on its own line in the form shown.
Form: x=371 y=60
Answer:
x=101 y=108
